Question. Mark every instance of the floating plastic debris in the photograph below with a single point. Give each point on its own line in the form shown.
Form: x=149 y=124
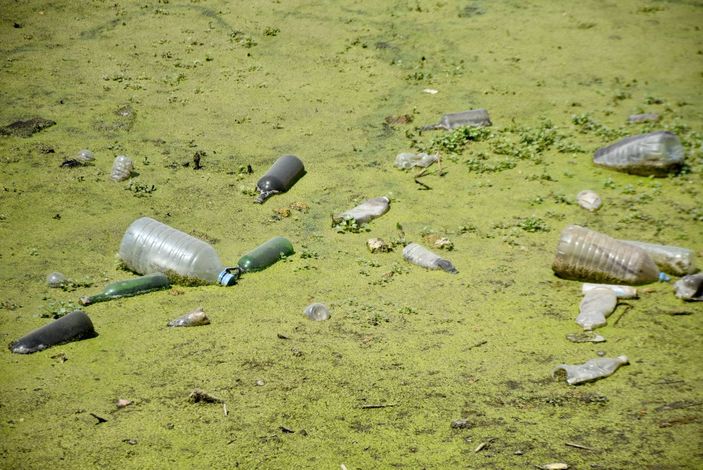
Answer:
x=690 y=287
x=622 y=292
x=265 y=254
x=56 y=279
x=317 y=312
x=282 y=175
x=589 y=200
x=593 y=369
x=418 y=254
x=656 y=153
x=377 y=245
x=406 y=161
x=471 y=118
x=85 y=156
x=595 y=307
x=366 y=211
x=670 y=259
x=195 y=318
x=128 y=288
x=645 y=117
x=430 y=91
x=585 y=337
x=122 y=168
x=72 y=327
x=585 y=255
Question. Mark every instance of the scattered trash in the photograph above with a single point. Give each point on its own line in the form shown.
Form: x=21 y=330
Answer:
x=84 y=157
x=378 y=245
x=122 y=403
x=473 y=118
x=418 y=254
x=623 y=292
x=670 y=259
x=406 y=161
x=430 y=91
x=554 y=466
x=56 y=279
x=282 y=175
x=595 y=307
x=443 y=243
x=690 y=287
x=593 y=369
x=656 y=153
x=365 y=212
x=586 y=255
x=317 y=312
x=589 y=200
x=265 y=255
x=72 y=327
x=199 y=396
x=26 y=128
x=149 y=246
x=585 y=337
x=128 y=288
x=195 y=318
x=645 y=117
x=122 y=168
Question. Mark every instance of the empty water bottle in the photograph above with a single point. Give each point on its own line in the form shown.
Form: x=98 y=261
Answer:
x=405 y=161
x=366 y=211
x=280 y=177
x=265 y=255
x=591 y=370
x=670 y=259
x=690 y=287
x=418 y=254
x=656 y=153
x=472 y=117
x=148 y=246
x=622 y=292
x=585 y=255
x=596 y=306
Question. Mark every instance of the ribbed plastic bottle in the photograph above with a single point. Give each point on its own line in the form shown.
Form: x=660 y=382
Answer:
x=265 y=255
x=585 y=255
x=593 y=369
x=418 y=254
x=470 y=118
x=280 y=177
x=656 y=153
x=148 y=246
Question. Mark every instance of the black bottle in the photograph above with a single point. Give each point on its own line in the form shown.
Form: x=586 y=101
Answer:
x=280 y=178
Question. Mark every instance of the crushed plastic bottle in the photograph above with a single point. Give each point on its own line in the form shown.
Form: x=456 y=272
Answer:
x=586 y=255
x=366 y=211
x=670 y=259
x=122 y=168
x=265 y=255
x=282 y=175
x=317 y=312
x=589 y=200
x=418 y=254
x=656 y=154
x=197 y=317
x=72 y=327
x=622 y=292
x=148 y=246
x=405 y=161
x=596 y=306
x=690 y=287
x=593 y=369
x=128 y=288
x=472 y=117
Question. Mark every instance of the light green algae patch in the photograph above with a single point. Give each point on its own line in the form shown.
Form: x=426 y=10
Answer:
x=407 y=352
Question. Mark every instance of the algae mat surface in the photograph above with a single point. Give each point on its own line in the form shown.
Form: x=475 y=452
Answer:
x=415 y=368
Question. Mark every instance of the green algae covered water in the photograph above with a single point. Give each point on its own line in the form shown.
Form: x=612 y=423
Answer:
x=415 y=368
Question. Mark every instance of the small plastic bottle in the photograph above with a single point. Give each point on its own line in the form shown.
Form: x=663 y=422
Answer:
x=317 y=312
x=148 y=246
x=72 y=327
x=366 y=211
x=593 y=369
x=585 y=255
x=265 y=255
x=418 y=254
x=622 y=292
x=656 y=153
x=122 y=168
x=56 y=279
x=280 y=177
x=690 y=287
x=406 y=161
x=596 y=306
x=128 y=288
x=197 y=317
x=670 y=259
x=472 y=117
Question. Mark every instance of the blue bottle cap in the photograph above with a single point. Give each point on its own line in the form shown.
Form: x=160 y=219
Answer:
x=226 y=278
x=663 y=277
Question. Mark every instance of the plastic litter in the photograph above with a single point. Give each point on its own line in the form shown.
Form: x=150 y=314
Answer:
x=317 y=312
x=622 y=292
x=406 y=161
x=195 y=318
x=472 y=117
x=596 y=306
x=670 y=259
x=690 y=287
x=366 y=211
x=593 y=369
x=122 y=168
x=589 y=200
x=282 y=175
x=148 y=246
x=265 y=255
x=71 y=327
x=418 y=254
x=128 y=288
x=656 y=153
x=56 y=279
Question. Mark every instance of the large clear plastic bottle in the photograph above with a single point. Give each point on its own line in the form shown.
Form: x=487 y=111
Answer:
x=148 y=246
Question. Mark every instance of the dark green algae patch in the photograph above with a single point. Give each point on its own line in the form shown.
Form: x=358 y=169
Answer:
x=240 y=85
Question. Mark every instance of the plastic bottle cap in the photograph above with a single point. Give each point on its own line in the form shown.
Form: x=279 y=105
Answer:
x=663 y=277
x=226 y=278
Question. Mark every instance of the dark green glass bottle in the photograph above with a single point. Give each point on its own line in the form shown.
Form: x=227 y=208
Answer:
x=265 y=255
x=129 y=287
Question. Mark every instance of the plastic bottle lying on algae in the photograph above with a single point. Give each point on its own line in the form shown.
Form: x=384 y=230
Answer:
x=72 y=327
x=282 y=175
x=656 y=154
x=585 y=255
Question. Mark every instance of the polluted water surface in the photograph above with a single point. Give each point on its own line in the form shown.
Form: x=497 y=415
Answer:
x=408 y=350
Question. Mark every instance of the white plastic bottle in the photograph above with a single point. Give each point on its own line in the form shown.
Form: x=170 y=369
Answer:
x=149 y=246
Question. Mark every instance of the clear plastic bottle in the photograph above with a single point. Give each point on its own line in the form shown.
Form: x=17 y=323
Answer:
x=366 y=211
x=596 y=306
x=656 y=153
x=148 y=246
x=406 y=160
x=265 y=255
x=418 y=254
x=585 y=255
x=670 y=259
x=593 y=369
x=472 y=117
